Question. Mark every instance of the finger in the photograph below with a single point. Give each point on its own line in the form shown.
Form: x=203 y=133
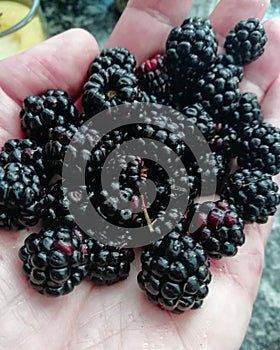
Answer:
x=259 y=75
x=271 y=103
x=58 y=63
x=145 y=24
x=228 y=13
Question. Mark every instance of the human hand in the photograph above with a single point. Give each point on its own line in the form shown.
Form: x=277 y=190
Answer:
x=120 y=317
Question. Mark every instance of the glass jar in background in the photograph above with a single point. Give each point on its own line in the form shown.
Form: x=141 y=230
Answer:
x=22 y=25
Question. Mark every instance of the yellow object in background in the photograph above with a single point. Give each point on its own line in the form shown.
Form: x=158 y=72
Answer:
x=32 y=33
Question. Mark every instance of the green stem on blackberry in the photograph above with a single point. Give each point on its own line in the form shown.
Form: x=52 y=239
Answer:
x=146 y=214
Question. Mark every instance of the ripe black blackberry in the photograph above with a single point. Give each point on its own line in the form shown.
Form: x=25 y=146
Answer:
x=225 y=141
x=133 y=174
x=26 y=152
x=59 y=201
x=217 y=227
x=55 y=260
x=200 y=118
x=191 y=48
x=20 y=190
x=153 y=78
x=45 y=111
x=175 y=273
x=108 y=264
x=78 y=142
x=259 y=147
x=228 y=62
x=246 y=41
x=210 y=173
x=108 y=88
x=217 y=90
x=116 y=56
x=253 y=193
x=248 y=112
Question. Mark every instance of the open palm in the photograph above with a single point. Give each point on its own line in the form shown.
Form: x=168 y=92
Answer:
x=120 y=317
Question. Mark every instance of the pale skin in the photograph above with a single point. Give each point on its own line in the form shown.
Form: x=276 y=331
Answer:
x=120 y=317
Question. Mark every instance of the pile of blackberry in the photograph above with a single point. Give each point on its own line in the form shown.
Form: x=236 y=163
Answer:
x=196 y=114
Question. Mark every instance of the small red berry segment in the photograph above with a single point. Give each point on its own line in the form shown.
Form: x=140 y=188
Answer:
x=217 y=227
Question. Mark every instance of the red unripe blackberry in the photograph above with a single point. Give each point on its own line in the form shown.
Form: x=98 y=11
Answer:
x=217 y=227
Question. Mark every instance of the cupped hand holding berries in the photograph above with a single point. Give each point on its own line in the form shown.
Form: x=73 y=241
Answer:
x=120 y=317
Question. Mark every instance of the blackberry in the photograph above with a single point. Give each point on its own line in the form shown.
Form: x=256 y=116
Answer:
x=253 y=193
x=78 y=142
x=191 y=48
x=117 y=56
x=57 y=203
x=175 y=273
x=45 y=111
x=55 y=260
x=20 y=195
x=217 y=90
x=109 y=88
x=26 y=152
x=246 y=41
x=200 y=118
x=248 y=112
x=209 y=174
x=225 y=141
x=108 y=264
x=228 y=62
x=259 y=147
x=153 y=78
x=217 y=227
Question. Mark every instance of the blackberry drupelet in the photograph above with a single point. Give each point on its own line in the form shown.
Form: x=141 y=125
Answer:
x=199 y=117
x=253 y=193
x=217 y=90
x=246 y=41
x=191 y=48
x=55 y=260
x=26 y=152
x=117 y=56
x=43 y=112
x=153 y=78
x=108 y=264
x=217 y=227
x=20 y=195
x=108 y=88
x=175 y=272
x=259 y=147
x=228 y=62
x=248 y=113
